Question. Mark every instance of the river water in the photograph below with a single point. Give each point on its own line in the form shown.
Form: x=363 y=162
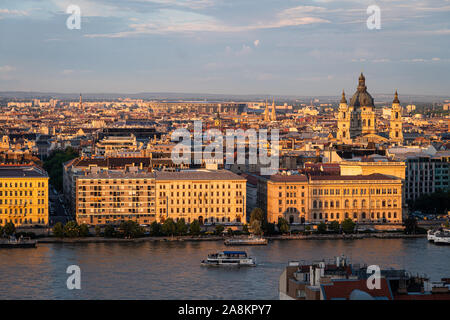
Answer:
x=171 y=270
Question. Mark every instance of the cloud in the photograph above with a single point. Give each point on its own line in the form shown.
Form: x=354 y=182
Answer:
x=175 y=21
x=6 y=69
x=13 y=12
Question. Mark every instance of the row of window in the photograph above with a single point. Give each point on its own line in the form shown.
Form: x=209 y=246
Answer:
x=200 y=186
x=21 y=211
x=355 y=203
x=22 y=221
x=354 y=191
x=373 y=215
x=21 y=185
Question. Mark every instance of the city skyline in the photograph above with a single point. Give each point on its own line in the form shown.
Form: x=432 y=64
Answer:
x=214 y=47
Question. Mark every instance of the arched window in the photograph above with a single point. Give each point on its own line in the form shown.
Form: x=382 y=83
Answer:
x=315 y=204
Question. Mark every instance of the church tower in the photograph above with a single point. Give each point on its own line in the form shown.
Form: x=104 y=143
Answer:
x=343 y=119
x=266 y=113
x=396 y=131
x=80 y=106
x=274 y=113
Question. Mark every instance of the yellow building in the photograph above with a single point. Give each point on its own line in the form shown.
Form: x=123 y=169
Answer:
x=207 y=196
x=23 y=195
x=389 y=168
x=374 y=198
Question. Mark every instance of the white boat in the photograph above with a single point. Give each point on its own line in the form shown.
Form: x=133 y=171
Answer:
x=252 y=240
x=431 y=234
x=442 y=238
x=229 y=258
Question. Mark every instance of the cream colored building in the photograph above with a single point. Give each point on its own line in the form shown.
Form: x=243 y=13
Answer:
x=374 y=198
x=114 y=196
x=23 y=195
x=389 y=168
x=207 y=196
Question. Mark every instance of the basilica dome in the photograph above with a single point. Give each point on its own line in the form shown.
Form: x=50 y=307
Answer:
x=362 y=98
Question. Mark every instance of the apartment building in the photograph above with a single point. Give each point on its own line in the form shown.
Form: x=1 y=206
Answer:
x=23 y=195
x=216 y=196
x=114 y=196
x=374 y=198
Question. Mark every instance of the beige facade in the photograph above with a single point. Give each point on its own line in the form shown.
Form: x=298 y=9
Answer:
x=206 y=196
x=389 y=168
x=372 y=198
x=23 y=196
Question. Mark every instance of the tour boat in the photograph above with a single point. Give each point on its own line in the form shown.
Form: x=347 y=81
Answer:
x=229 y=258
x=442 y=238
x=250 y=241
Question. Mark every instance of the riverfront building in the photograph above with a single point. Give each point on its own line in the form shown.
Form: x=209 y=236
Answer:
x=114 y=196
x=374 y=198
x=217 y=196
x=23 y=195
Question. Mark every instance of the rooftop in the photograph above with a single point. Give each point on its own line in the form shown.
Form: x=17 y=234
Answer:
x=13 y=171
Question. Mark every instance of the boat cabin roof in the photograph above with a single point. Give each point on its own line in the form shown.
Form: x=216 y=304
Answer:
x=234 y=252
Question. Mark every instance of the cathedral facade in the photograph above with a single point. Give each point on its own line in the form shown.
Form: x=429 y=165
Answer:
x=357 y=119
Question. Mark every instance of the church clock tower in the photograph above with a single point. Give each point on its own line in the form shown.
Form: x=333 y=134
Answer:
x=396 y=131
x=343 y=119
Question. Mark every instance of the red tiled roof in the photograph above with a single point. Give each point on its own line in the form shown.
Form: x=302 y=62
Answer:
x=341 y=289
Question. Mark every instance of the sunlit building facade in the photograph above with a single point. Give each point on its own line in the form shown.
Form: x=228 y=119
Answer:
x=23 y=195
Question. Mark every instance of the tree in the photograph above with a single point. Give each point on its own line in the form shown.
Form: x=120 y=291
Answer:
x=410 y=225
x=268 y=228
x=53 y=165
x=131 y=229
x=155 y=229
x=245 y=228
x=256 y=214
x=194 y=228
x=169 y=228
x=334 y=226
x=1 y=231
x=321 y=228
x=283 y=225
x=84 y=230
x=9 y=229
x=58 y=230
x=348 y=226
x=230 y=231
x=182 y=228
x=98 y=230
x=219 y=229
x=256 y=226
x=71 y=229
x=109 y=231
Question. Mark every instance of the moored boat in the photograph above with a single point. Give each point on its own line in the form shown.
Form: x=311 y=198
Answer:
x=229 y=258
x=250 y=241
x=17 y=243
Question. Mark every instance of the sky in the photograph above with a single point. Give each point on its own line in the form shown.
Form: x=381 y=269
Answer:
x=284 y=47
